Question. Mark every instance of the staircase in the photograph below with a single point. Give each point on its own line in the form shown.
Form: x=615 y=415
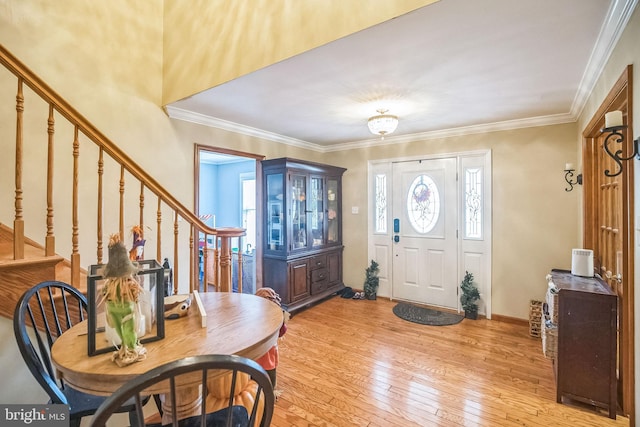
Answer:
x=63 y=141
x=14 y=274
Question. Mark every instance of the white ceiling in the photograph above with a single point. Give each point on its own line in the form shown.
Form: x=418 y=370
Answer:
x=456 y=66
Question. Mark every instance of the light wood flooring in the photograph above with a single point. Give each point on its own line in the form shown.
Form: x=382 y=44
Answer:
x=354 y=363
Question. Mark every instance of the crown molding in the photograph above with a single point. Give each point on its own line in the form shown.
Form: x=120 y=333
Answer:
x=614 y=24
x=460 y=131
x=189 y=116
x=202 y=119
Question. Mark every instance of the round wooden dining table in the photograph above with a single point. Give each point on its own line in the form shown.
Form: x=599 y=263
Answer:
x=240 y=324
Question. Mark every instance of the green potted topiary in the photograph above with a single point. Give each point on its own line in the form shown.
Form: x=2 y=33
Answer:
x=470 y=294
x=371 y=281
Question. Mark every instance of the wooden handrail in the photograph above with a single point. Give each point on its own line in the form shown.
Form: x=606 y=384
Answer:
x=81 y=125
x=73 y=116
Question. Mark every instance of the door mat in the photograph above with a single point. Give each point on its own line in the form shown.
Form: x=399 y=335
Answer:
x=425 y=316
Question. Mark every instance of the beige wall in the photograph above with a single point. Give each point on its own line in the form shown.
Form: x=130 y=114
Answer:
x=116 y=84
x=534 y=219
x=107 y=58
x=211 y=42
x=535 y=222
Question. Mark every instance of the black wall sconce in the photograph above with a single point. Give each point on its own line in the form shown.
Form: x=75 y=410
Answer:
x=613 y=124
x=569 y=177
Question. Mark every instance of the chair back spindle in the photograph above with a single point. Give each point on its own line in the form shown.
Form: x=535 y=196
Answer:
x=204 y=373
x=45 y=312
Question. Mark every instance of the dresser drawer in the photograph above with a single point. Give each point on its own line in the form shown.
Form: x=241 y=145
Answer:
x=317 y=287
x=319 y=275
x=319 y=261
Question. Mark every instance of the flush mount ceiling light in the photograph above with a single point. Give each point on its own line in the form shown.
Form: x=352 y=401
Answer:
x=382 y=124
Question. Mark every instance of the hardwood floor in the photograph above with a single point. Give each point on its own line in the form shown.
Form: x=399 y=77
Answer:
x=354 y=363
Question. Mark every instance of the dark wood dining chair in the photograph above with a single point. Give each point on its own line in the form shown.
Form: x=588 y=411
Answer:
x=198 y=371
x=42 y=314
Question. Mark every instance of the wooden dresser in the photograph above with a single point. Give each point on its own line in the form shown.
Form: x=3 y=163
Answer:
x=586 y=359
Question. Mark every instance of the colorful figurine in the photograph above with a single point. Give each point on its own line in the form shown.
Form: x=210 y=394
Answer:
x=137 y=250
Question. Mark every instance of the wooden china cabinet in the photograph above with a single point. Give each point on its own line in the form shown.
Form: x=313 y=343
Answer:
x=302 y=256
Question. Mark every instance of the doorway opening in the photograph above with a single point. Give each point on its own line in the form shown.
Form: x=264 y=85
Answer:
x=225 y=196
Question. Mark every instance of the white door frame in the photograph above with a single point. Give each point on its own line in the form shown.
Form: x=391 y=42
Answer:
x=474 y=252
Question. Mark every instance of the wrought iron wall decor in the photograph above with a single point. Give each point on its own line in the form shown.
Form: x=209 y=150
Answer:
x=614 y=125
x=571 y=178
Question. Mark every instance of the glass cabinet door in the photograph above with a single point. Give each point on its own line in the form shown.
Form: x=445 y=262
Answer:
x=275 y=215
x=332 y=211
x=316 y=211
x=298 y=212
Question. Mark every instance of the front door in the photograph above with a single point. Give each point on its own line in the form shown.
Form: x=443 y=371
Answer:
x=424 y=222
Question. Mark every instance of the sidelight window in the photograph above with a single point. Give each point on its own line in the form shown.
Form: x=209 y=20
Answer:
x=473 y=203
x=381 y=203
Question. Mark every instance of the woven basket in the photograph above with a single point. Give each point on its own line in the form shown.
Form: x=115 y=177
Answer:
x=535 y=317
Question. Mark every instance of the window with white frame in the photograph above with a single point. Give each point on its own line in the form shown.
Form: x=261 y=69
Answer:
x=249 y=212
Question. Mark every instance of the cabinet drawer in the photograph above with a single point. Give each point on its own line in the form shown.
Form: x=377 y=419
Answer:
x=319 y=261
x=317 y=287
x=319 y=275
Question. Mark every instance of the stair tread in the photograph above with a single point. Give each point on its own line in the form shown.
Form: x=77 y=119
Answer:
x=65 y=276
x=35 y=255
x=30 y=253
